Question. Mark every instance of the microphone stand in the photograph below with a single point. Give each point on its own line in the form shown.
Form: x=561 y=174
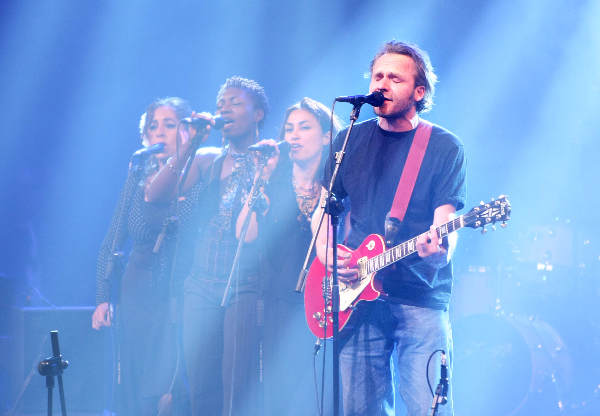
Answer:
x=438 y=398
x=252 y=200
x=304 y=271
x=171 y=225
x=116 y=265
x=333 y=208
x=441 y=391
x=51 y=367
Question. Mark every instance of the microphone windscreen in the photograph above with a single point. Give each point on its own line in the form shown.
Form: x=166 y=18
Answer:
x=219 y=122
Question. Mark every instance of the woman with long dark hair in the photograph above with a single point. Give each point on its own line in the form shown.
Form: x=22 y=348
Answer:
x=294 y=191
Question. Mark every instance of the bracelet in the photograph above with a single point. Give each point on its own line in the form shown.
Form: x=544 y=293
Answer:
x=261 y=203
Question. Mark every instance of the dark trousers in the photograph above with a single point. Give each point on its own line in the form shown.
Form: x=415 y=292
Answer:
x=147 y=343
x=222 y=349
x=288 y=359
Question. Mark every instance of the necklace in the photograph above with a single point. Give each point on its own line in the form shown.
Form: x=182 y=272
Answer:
x=306 y=198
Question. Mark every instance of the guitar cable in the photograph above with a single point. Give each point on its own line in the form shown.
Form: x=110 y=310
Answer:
x=427 y=368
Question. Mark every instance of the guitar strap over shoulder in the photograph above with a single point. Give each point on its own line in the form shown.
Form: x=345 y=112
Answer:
x=404 y=191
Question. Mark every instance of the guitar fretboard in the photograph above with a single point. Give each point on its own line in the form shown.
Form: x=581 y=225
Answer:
x=409 y=247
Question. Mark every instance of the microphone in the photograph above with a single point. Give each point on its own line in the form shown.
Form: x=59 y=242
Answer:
x=376 y=99
x=201 y=122
x=150 y=150
x=265 y=148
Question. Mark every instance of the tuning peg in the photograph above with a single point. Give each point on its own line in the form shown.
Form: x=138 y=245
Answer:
x=484 y=230
x=503 y=225
x=481 y=203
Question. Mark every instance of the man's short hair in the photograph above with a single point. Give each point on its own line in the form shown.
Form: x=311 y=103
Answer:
x=425 y=75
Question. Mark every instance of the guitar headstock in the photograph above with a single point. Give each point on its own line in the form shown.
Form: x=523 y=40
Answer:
x=497 y=210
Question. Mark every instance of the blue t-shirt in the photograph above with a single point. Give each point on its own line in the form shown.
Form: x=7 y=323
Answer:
x=369 y=176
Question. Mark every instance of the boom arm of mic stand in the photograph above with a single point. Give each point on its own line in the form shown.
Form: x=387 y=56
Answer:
x=173 y=221
x=338 y=161
x=195 y=143
x=115 y=264
x=258 y=182
x=302 y=277
x=172 y=225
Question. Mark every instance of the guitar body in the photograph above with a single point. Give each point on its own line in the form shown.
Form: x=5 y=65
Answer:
x=318 y=311
x=372 y=256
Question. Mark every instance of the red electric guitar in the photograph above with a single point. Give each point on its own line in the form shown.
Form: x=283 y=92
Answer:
x=372 y=256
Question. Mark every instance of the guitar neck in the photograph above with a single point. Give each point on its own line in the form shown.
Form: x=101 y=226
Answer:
x=409 y=247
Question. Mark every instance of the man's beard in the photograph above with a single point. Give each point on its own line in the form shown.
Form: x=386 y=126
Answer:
x=399 y=114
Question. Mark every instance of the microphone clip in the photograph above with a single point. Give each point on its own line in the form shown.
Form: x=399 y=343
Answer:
x=441 y=391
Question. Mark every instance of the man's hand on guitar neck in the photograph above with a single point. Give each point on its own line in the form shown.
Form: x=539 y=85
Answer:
x=432 y=249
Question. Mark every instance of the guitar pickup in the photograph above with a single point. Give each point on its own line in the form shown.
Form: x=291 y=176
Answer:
x=362 y=267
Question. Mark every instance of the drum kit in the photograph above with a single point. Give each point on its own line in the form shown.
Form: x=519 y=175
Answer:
x=526 y=326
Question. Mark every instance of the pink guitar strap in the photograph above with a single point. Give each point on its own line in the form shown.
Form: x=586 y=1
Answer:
x=411 y=170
